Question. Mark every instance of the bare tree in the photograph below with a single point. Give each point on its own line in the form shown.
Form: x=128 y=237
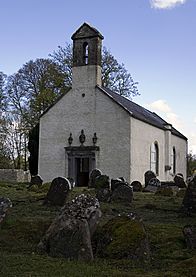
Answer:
x=114 y=75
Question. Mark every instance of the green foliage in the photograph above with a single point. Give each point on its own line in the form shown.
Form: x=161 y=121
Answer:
x=191 y=164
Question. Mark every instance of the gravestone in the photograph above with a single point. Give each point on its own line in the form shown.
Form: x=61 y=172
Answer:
x=153 y=185
x=103 y=195
x=148 y=176
x=179 y=181
x=189 y=200
x=5 y=205
x=72 y=182
x=189 y=233
x=58 y=191
x=93 y=175
x=137 y=186
x=123 y=193
x=123 y=237
x=102 y=182
x=70 y=233
x=115 y=183
x=36 y=180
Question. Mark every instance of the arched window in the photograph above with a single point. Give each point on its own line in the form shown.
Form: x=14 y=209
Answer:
x=85 y=53
x=154 y=158
x=173 y=161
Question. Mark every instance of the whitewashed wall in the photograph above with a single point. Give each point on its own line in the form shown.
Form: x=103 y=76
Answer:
x=94 y=112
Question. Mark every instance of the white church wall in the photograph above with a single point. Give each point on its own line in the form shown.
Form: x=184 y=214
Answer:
x=94 y=112
x=142 y=136
x=70 y=115
x=181 y=154
x=113 y=131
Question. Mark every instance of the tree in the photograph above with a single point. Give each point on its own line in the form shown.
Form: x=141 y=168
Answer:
x=191 y=164
x=114 y=75
x=34 y=88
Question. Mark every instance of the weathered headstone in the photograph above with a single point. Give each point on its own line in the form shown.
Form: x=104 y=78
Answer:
x=69 y=235
x=58 y=191
x=148 y=176
x=123 y=237
x=102 y=182
x=153 y=185
x=5 y=205
x=137 y=186
x=115 y=183
x=123 y=193
x=189 y=200
x=179 y=181
x=189 y=233
x=36 y=180
x=93 y=175
x=103 y=195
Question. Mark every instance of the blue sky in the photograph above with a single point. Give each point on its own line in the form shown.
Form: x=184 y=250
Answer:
x=155 y=39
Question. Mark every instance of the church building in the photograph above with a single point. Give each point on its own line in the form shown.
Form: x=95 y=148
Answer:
x=93 y=127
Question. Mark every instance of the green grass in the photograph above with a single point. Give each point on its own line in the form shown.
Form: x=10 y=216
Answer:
x=28 y=220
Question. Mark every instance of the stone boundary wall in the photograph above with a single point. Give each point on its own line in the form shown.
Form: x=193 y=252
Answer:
x=14 y=175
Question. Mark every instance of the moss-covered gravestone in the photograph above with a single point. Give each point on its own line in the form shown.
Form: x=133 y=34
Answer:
x=123 y=237
x=69 y=235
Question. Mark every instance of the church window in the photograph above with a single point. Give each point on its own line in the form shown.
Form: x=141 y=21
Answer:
x=85 y=53
x=173 y=161
x=154 y=158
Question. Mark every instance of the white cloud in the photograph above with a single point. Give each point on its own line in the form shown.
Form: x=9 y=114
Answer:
x=166 y=4
x=162 y=108
x=194 y=120
x=160 y=105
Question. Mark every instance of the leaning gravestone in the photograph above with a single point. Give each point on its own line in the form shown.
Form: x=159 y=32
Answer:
x=179 y=181
x=189 y=233
x=69 y=235
x=93 y=175
x=123 y=193
x=123 y=237
x=189 y=200
x=5 y=205
x=153 y=185
x=148 y=176
x=137 y=186
x=115 y=183
x=58 y=191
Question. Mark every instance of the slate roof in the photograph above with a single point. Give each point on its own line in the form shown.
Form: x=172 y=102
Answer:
x=86 y=30
x=139 y=112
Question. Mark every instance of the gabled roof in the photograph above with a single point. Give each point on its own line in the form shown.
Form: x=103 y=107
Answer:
x=86 y=31
x=57 y=100
x=139 y=112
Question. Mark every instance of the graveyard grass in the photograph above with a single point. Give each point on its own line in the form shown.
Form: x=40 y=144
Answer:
x=28 y=220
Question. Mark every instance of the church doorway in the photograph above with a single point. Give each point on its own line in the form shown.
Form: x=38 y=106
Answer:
x=82 y=171
x=80 y=161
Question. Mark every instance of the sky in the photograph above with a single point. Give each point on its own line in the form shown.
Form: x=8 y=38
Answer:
x=155 y=39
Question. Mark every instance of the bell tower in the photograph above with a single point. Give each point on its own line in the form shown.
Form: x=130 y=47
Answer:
x=87 y=46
